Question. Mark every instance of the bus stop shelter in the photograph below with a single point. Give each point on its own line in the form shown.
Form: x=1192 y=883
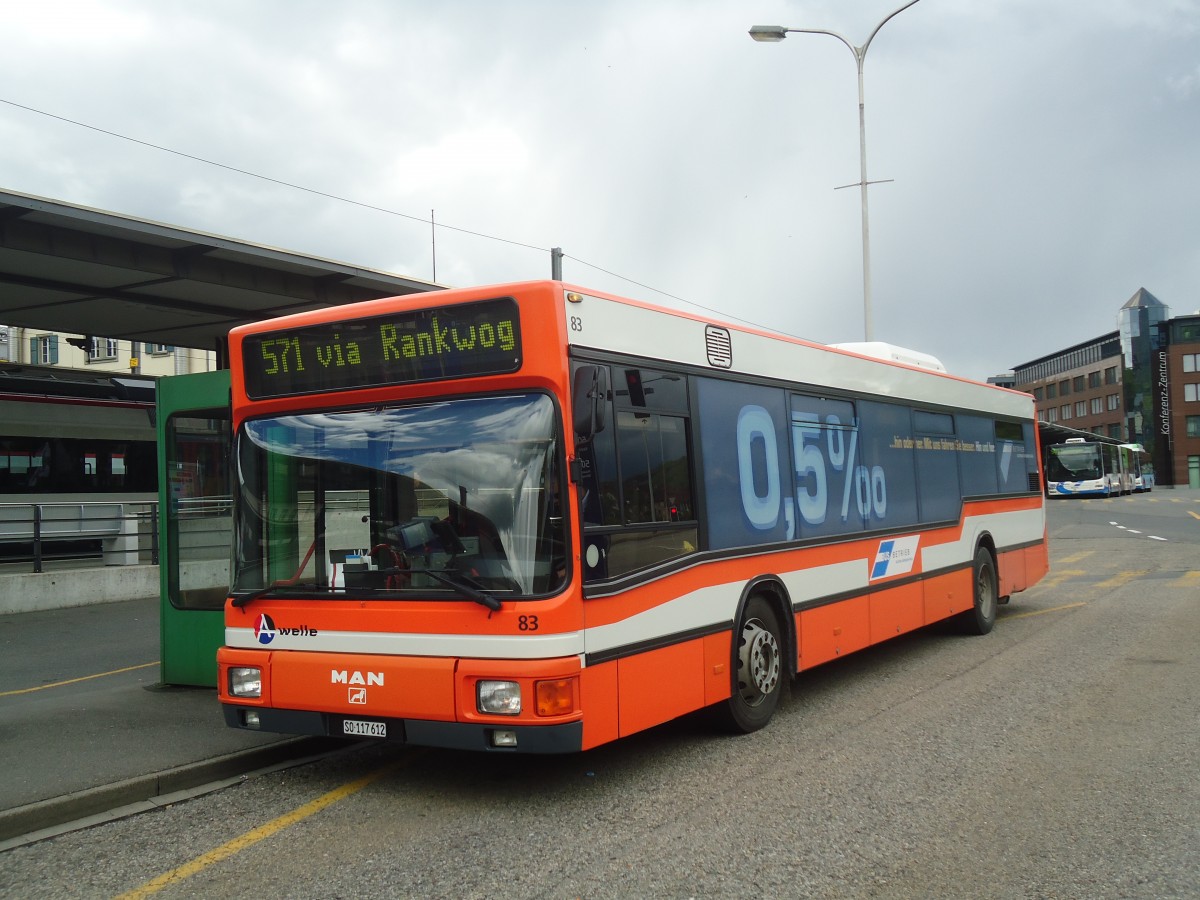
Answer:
x=72 y=269
x=91 y=272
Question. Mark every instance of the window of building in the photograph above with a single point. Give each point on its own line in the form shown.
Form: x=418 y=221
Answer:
x=102 y=348
x=1064 y=388
x=1114 y=431
x=1191 y=362
x=1093 y=379
x=1189 y=392
x=1037 y=393
x=44 y=349
x=1097 y=406
x=1077 y=383
x=1110 y=375
x=1066 y=412
x=1193 y=426
x=1080 y=408
x=158 y=349
x=1051 y=391
x=1114 y=401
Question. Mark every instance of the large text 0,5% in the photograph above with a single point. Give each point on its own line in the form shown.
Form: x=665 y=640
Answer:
x=868 y=484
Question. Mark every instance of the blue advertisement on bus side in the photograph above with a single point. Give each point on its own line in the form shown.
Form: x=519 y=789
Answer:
x=783 y=466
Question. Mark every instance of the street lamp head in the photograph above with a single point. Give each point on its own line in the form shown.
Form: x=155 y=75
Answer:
x=770 y=34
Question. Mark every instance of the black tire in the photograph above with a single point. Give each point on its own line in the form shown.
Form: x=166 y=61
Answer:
x=980 y=618
x=758 y=670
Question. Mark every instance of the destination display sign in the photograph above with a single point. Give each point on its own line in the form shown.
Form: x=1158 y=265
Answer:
x=425 y=345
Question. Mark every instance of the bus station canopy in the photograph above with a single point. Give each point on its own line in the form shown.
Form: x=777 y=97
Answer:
x=1052 y=433
x=86 y=271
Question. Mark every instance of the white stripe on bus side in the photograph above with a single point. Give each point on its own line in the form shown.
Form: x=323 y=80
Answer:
x=1007 y=529
x=472 y=646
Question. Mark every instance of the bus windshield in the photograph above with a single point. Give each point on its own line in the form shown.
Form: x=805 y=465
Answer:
x=1074 y=462
x=445 y=498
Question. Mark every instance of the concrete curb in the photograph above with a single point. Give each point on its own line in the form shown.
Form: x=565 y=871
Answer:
x=43 y=819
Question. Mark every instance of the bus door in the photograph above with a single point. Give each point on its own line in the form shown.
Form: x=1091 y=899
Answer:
x=195 y=522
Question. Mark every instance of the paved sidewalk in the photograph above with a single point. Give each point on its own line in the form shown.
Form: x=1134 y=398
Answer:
x=86 y=728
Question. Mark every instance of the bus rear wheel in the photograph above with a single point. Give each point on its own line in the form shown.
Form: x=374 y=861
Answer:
x=758 y=670
x=980 y=618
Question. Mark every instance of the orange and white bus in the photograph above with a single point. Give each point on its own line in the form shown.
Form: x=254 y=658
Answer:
x=532 y=517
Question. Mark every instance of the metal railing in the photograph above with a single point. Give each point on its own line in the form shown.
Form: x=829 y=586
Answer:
x=127 y=531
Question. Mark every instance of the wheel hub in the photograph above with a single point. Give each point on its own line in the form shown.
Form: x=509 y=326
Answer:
x=759 y=660
x=986 y=594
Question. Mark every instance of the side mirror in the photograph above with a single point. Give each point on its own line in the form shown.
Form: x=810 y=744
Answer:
x=589 y=399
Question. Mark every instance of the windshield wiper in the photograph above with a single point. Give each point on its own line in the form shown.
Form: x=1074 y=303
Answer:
x=246 y=599
x=463 y=585
x=459 y=583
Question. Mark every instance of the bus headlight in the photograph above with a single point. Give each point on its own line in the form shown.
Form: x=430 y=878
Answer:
x=498 y=698
x=245 y=681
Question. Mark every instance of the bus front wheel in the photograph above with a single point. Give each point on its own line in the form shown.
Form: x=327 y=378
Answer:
x=758 y=669
x=980 y=618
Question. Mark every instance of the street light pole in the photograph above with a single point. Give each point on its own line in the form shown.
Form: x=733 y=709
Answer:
x=776 y=33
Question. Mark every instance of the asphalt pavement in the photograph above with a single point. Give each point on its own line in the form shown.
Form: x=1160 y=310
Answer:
x=87 y=732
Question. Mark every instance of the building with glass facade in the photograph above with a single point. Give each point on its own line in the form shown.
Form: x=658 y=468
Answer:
x=1143 y=347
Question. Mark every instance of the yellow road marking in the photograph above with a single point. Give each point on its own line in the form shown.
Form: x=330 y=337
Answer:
x=1187 y=578
x=1075 y=557
x=250 y=838
x=1194 y=515
x=1042 y=612
x=1119 y=579
x=42 y=687
x=1059 y=576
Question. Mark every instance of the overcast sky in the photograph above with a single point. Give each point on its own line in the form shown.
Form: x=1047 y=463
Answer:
x=1045 y=153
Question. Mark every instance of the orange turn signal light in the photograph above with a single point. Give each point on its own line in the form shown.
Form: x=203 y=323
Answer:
x=555 y=698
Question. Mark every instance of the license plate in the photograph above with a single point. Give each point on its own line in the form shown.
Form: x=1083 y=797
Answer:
x=364 y=729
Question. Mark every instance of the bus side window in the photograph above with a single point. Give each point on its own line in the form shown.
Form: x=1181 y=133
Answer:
x=655 y=468
x=636 y=477
x=977 y=456
x=598 y=492
x=937 y=466
x=1011 y=465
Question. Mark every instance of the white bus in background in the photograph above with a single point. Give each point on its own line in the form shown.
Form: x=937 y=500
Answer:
x=1082 y=468
x=1140 y=468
